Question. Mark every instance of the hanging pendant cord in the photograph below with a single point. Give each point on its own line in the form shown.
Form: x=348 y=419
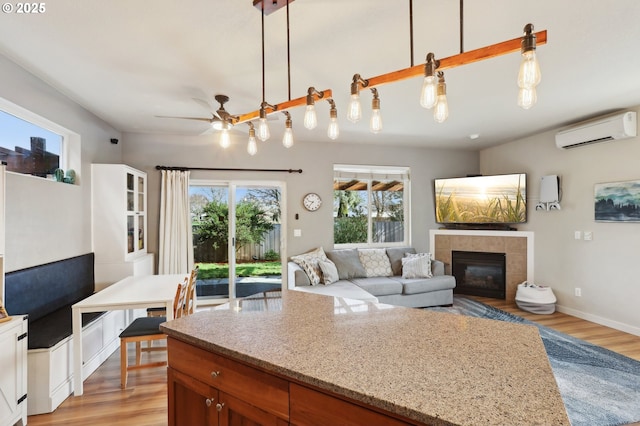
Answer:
x=411 y=30
x=263 y=96
x=461 y=26
x=288 y=55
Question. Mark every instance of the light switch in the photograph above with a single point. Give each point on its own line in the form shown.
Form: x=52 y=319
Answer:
x=297 y=232
x=588 y=235
x=577 y=235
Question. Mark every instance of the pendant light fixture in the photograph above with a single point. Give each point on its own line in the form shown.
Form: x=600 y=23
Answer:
x=529 y=74
x=441 y=112
x=333 y=131
x=433 y=92
x=252 y=146
x=287 y=139
x=375 y=124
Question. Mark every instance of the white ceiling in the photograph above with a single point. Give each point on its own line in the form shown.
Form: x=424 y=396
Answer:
x=131 y=61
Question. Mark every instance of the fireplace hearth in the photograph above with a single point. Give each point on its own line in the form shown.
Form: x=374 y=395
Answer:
x=479 y=273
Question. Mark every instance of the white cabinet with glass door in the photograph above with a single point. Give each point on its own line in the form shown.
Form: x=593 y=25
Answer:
x=119 y=222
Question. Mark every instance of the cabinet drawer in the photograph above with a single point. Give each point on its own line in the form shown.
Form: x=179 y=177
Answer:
x=246 y=383
x=310 y=407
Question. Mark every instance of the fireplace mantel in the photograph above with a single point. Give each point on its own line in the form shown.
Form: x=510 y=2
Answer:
x=517 y=245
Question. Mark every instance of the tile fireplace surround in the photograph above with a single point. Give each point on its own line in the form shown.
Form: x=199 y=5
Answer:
x=516 y=245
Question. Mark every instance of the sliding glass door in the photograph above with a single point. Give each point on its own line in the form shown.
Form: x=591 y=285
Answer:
x=237 y=238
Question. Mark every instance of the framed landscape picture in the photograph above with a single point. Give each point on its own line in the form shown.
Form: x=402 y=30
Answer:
x=617 y=201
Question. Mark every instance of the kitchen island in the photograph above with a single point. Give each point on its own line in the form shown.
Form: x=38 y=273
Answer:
x=300 y=358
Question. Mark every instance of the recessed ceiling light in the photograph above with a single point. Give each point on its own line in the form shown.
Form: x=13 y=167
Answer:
x=474 y=136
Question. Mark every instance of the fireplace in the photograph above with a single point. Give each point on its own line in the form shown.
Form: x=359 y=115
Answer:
x=479 y=273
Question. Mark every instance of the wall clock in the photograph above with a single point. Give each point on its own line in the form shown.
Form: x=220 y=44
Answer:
x=312 y=202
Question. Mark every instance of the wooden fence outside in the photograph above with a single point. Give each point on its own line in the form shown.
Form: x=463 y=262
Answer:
x=206 y=253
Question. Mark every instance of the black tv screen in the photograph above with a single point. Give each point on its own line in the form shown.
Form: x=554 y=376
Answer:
x=489 y=200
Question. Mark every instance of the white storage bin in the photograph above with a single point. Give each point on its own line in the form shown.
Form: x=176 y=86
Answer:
x=535 y=299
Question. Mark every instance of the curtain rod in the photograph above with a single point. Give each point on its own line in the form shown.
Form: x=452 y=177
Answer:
x=228 y=169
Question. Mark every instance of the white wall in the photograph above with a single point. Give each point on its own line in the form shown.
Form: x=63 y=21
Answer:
x=607 y=268
x=315 y=159
x=48 y=221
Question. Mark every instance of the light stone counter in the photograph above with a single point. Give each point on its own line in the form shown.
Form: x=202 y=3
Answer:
x=426 y=366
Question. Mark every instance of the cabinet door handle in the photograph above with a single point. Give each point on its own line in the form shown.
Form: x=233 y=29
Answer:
x=209 y=401
x=215 y=374
x=220 y=406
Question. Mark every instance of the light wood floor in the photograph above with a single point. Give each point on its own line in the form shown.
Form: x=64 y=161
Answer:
x=144 y=402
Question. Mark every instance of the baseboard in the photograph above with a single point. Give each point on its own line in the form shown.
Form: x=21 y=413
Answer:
x=600 y=320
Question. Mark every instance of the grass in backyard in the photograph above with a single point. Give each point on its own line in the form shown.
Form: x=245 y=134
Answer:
x=221 y=270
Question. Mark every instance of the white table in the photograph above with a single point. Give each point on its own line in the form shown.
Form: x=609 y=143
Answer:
x=134 y=292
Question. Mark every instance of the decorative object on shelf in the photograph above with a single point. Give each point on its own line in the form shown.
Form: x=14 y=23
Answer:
x=70 y=176
x=312 y=201
x=617 y=201
x=433 y=92
x=59 y=174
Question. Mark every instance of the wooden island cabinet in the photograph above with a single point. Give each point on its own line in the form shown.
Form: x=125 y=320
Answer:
x=298 y=358
x=209 y=389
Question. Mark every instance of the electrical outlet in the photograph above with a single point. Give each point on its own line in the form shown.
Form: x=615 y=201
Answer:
x=588 y=235
x=578 y=292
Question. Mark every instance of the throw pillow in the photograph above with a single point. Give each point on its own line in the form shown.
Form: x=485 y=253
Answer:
x=395 y=257
x=348 y=263
x=309 y=262
x=416 y=265
x=376 y=262
x=329 y=272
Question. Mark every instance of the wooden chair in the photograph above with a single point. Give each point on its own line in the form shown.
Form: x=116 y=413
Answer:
x=190 y=300
x=147 y=329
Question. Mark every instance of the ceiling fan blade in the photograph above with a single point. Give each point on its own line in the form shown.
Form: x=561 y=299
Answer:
x=208 y=120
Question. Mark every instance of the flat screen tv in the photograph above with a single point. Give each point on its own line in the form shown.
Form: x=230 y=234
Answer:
x=495 y=201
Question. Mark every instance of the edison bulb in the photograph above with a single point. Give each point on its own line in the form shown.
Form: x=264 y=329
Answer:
x=529 y=74
x=287 y=139
x=310 y=118
x=354 y=111
x=225 y=140
x=333 y=131
x=429 y=93
x=527 y=97
x=263 y=130
x=441 y=112
x=375 y=125
x=252 y=146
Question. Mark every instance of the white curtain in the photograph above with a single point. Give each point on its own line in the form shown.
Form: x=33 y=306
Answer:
x=176 y=242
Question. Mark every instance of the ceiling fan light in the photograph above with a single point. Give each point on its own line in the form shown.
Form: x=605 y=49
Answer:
x=225 y=139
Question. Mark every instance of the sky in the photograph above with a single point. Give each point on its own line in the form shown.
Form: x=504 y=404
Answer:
x=17 y=132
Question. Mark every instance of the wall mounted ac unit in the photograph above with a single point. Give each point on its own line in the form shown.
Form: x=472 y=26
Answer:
x=612 y=127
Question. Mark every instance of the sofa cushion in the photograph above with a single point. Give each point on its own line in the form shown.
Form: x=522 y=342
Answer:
x=342 y=288
x=379 y=286
x=395 y=255
x=309 y=262
x=425 y=285
x=375 y=262
x=416 y=265
x=348 y=263
x=329 y=272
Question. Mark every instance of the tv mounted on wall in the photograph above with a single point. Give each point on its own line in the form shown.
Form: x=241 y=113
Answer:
x=495 y=201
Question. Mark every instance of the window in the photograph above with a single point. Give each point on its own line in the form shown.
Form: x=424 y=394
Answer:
x=370 y=205
x=28 y=148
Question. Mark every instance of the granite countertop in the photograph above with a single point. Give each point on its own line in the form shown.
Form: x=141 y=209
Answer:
x=431 y=367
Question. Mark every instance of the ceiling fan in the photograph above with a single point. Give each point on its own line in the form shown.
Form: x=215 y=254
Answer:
x=217 y=119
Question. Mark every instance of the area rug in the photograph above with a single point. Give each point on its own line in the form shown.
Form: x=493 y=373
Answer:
x=599 y=387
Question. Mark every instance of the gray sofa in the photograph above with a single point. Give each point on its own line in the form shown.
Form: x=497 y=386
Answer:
x=355 y=281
